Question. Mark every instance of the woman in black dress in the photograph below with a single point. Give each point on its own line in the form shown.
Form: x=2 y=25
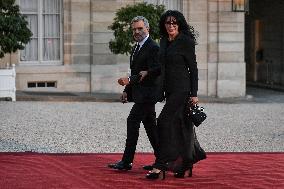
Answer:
x=178 y=147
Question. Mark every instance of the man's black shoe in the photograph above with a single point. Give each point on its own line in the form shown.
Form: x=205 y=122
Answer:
x=121 y=166
x=148 y=167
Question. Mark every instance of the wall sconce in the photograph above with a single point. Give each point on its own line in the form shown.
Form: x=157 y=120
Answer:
x=240 y=5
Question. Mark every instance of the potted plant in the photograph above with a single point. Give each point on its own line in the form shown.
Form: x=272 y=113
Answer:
x=123 y=41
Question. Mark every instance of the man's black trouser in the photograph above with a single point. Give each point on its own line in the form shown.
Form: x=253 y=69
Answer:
x=145 y=113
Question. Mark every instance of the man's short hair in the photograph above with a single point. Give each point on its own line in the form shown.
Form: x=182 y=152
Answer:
x=138 y=18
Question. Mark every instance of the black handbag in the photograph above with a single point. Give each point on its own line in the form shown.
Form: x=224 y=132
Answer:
x=195 y=113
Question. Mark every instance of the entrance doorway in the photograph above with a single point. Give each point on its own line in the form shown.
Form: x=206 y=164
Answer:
x=264 y=43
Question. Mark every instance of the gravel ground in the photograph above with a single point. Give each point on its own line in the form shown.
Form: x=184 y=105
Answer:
x=100 y=127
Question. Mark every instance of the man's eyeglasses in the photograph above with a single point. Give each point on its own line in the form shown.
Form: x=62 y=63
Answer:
x=171 y=23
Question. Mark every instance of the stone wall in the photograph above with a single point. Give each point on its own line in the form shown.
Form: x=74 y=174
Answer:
x=196 y=14
x=73 y=75
x=105 y=69
x=226 y=67
x=89 y=66
x=220 y=49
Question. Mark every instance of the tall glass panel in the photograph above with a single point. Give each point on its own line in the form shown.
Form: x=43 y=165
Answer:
x=27 y=6
x=30 y=53
x=51 y=6
x=51 y=30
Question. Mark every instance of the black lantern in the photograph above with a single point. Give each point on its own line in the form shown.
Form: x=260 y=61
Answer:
x=240 y=5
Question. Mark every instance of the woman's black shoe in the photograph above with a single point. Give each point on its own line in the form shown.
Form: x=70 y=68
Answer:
x=160 y=175
x=180 y=174
x=148 y=167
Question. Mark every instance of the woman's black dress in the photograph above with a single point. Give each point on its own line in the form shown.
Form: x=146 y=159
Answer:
x=178 y=145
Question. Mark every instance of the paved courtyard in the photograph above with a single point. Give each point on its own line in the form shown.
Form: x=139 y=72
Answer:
x=254 y=124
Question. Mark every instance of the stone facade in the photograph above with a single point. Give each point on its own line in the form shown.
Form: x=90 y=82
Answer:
x=89 y=66
x=226 y=66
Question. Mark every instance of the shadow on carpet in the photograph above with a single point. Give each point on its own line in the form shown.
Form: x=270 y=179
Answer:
x=68 y=171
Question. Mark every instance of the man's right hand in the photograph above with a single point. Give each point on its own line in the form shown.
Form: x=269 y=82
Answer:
x=123 y=97
x=123 y=81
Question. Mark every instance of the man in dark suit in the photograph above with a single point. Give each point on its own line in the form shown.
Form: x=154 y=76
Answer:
x=141 y=88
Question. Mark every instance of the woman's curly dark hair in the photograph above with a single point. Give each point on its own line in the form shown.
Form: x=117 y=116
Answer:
x=181 y=22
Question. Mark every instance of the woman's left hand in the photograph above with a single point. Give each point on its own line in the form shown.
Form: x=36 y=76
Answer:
x=194 y=100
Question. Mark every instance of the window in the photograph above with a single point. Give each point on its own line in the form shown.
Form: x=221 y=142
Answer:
x=44 y=18
x=41 y=84
x=169 y=4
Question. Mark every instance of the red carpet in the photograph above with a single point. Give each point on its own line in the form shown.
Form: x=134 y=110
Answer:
x=219 y=170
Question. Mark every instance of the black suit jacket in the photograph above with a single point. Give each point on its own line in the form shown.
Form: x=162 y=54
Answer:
x=179 y=67
x=145 y=60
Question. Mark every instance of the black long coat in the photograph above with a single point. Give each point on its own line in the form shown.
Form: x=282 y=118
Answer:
x=179 y=67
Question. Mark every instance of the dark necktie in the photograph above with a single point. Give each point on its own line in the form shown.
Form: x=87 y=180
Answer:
x=136 y=50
